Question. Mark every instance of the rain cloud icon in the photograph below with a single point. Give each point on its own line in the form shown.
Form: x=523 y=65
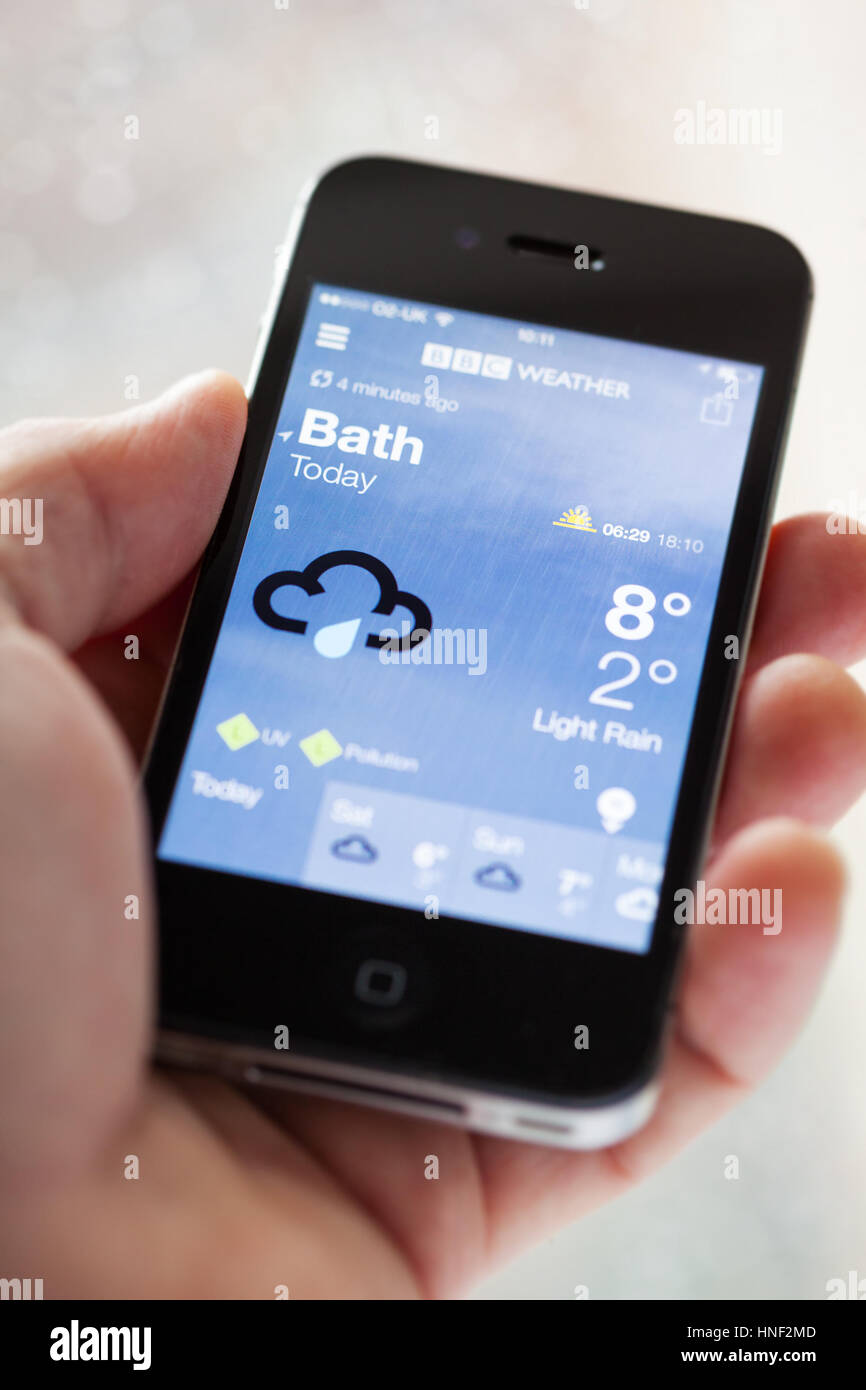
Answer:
x=337 y=639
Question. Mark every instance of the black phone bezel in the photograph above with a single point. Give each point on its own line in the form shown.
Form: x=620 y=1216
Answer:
x=488 y=1007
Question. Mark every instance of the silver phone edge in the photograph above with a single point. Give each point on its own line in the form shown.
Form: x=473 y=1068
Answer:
x=485 y=1112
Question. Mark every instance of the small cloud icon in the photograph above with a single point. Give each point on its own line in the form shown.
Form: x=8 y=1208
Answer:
x=354 y=848
x=638 y=904
x=498 y=876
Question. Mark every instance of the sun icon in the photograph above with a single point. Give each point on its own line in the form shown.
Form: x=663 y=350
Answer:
x=576 y=519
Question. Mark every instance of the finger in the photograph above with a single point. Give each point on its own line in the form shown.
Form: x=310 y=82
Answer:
x=74 y=920
x=812 y=593
x=747 y=988
x=744 y=997
x=127 y=504
x=798 y=745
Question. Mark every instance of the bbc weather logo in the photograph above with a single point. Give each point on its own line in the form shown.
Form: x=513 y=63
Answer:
x=467 y=360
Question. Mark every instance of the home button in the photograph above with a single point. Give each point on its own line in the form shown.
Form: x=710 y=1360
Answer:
x=381 y=982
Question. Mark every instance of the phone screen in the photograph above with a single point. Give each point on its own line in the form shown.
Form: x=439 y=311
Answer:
x=458 y=664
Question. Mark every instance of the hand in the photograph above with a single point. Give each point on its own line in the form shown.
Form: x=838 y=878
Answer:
x=241 y=1192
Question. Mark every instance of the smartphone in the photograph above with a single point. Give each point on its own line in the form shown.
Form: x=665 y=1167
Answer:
x=446 y=722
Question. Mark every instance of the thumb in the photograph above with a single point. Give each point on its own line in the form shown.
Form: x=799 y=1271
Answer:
x=124 y=503
x=128 y=503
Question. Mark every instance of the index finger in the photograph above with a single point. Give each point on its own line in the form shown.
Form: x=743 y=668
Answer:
x=813 y=593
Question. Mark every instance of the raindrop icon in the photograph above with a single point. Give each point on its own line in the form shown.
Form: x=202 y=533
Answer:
x=337 y=639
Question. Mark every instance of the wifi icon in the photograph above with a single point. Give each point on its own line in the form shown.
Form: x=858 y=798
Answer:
x=443 y=319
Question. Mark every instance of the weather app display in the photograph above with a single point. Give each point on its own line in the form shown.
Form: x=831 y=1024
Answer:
x=458 y=665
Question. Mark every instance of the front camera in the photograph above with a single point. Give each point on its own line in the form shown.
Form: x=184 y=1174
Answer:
x=467 y=238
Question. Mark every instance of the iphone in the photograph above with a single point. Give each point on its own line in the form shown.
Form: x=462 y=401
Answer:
x=445 y=727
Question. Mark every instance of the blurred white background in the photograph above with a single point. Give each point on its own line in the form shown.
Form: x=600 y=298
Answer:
x=153 y=258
